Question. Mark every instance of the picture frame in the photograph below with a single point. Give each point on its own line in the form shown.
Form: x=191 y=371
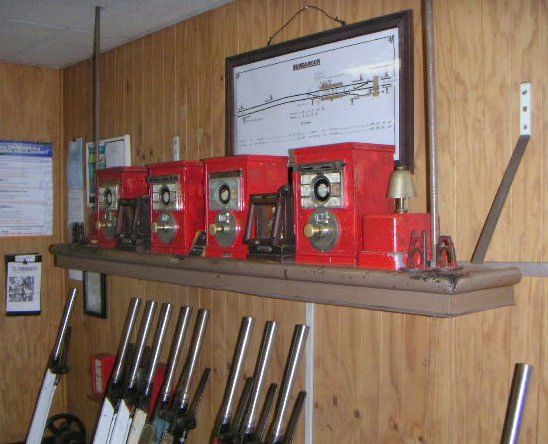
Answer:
x=95 y=294
x=307 y=92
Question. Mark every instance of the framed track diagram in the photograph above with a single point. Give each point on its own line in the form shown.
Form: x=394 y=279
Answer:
x=351 y=84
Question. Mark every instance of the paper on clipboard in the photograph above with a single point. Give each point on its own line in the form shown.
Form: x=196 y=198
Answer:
x=23 y=282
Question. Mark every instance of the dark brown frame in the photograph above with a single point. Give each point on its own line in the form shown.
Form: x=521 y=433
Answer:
x=402 y=20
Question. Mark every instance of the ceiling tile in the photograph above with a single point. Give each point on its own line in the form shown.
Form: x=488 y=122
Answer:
x=66 y=48
x=43 y=12
x=19 y=36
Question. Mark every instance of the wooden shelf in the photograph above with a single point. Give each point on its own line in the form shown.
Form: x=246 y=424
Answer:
x=440 y=294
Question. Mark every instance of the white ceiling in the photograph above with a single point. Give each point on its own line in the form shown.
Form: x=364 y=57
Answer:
x=59 y=33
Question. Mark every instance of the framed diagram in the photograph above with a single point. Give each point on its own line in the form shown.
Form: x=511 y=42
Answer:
x=350 y=84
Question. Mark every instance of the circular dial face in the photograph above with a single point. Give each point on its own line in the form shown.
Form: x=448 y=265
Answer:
x=224 y=194
x=165 y=195
x=108 y=197
x=326 y=230
x=322 y=189
x=228 y=229
x=168 y=229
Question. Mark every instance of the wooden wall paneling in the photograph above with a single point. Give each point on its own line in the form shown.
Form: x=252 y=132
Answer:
x=525 y=346
x=158 y=151
x=496 y=149
x=542 y=430
x=526 y=219
x=542 y=371
x=169 y=122
x=31 y=109
x=468 y=65
x=137 y=150
x=425 y=377
x=128 y=87
x=440 y=368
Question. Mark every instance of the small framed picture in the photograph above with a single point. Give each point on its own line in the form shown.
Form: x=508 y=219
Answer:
x=95 y=294
x=23 y=282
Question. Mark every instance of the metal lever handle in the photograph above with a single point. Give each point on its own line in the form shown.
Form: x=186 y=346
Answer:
x=192 y=358
x=144 y=330
x=244 y=336
x=263 y=358
x=295 y=353
x=161 y=328
x=242 y=404
x=63 y=327
x=175 y=352
x=131 y=318
x=265 y=412
x=516 y=406
x=294 y=418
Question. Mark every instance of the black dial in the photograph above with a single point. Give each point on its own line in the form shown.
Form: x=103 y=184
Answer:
x=322 y=189
x=108 y=197
x=165 y=195
x=224 y=194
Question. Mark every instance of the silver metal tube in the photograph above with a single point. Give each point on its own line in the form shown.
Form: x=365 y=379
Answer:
x=432 y=125
x=175 y=352
x=516 y=406
x=161 y=328
x=261 y=366
x=244 y=336
x=295 y=353
x=144 y=330
x=63 y=326
x=131 y=319
x=96 y=84
x=192 y=358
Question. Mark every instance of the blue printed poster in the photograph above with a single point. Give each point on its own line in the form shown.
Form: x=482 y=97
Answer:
x=26 y=189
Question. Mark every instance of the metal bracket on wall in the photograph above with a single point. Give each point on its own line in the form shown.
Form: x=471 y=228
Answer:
x=506 y=183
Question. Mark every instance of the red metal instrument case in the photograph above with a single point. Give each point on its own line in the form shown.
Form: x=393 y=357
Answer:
x=230 y=181
x=335 y=186
x=114 y=184
x=387 y=239
x=176 y=205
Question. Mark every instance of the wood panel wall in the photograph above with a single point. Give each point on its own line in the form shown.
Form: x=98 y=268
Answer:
x=379 y=377
x=30 y=109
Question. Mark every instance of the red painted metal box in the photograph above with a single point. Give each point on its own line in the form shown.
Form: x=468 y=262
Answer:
x=387 y=240
x=113 y=185
x=335 y=186
x=230 y=181
x=176 y=205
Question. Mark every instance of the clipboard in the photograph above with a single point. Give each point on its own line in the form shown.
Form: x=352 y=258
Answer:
x=23 y=284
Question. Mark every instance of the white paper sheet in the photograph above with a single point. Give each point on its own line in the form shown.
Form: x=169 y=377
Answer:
x=23 y=281
x=26 y=194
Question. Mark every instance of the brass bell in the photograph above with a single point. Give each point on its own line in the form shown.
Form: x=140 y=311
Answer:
x=401 y=188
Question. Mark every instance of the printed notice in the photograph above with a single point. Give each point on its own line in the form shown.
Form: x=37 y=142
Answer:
x=26 y=194
x=23 y=281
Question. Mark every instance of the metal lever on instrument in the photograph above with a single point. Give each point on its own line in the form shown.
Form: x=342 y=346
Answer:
x=225 y=412
x=60 y=349
x=174 y=353
x=298 y=342
x=192 y=358
x=184 y=423
x=516 y=405
x=144 y=330
x=131 y=319
x=260 y=430
x=242 y=406
x=263 y=358
x=159 y=336
x=57 y=366
x=294 y=418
